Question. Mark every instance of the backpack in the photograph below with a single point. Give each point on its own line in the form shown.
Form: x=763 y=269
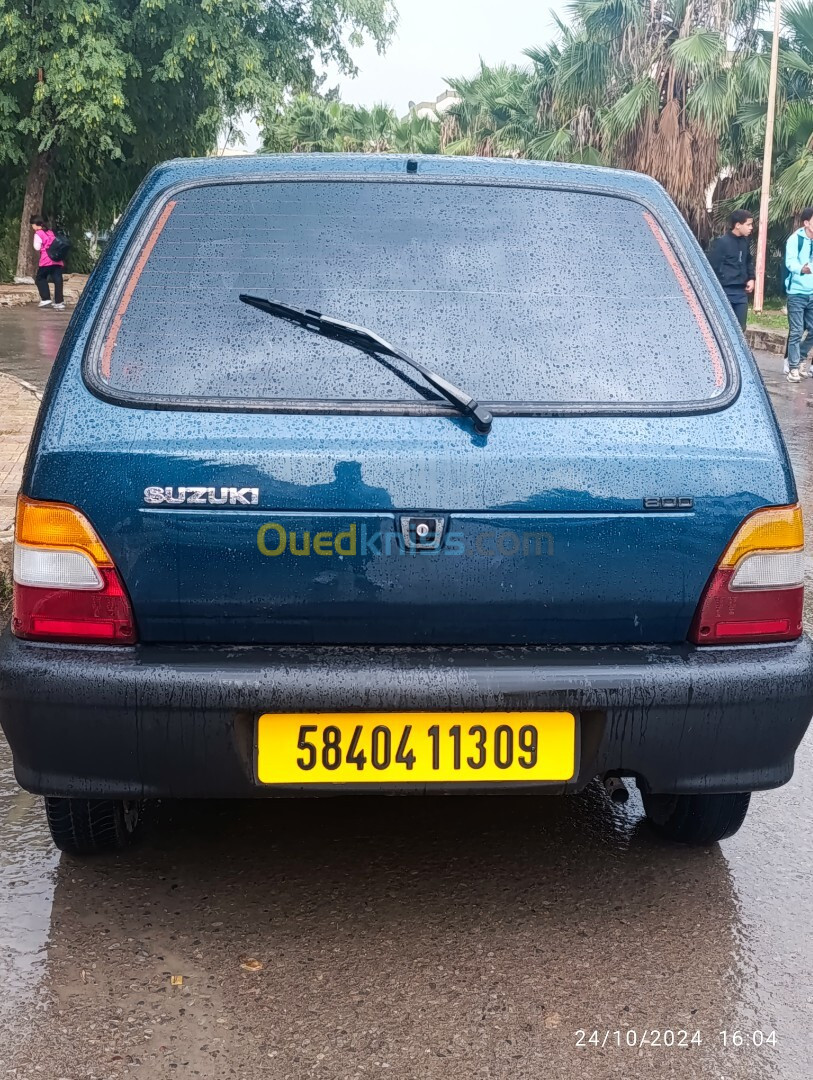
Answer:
x=784 y=283
x=58 y=248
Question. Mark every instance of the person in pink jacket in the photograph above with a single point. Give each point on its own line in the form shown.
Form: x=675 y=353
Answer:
x=48 y=267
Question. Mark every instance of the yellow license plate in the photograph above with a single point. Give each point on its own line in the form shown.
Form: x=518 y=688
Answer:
x=415 y=747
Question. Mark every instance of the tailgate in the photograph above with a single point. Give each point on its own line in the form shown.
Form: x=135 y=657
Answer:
x=538 y=545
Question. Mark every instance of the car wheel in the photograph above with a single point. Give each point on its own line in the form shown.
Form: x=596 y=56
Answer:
x=697 y=819
x=92 y=826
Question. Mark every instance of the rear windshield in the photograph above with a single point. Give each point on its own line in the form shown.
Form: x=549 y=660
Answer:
x=518 y=295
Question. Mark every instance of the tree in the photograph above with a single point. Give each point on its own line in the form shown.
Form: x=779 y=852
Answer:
x=655 y=84
x=416 y=135
x=793 y=148
x=496 y=114
x=371 y=131
x=311 y=123
x=306 y=124
x=742 y=142
x=99 y=90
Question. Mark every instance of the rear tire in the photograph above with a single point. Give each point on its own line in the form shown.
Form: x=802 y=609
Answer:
x=92 y=826
x=697 y=819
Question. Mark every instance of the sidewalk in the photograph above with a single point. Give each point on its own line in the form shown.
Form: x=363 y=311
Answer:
x=18 y=411
x=16 y=295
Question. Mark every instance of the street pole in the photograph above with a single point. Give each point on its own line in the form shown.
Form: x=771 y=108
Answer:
x=765 y=197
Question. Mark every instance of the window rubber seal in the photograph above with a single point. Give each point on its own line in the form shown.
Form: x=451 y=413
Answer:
x=151 y=218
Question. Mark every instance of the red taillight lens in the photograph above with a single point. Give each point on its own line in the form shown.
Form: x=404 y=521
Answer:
x=725 y=616
x=65 y=585
x=756 y=592
x=73 y=615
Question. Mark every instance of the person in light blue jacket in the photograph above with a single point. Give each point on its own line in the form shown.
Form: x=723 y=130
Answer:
x=799 y=287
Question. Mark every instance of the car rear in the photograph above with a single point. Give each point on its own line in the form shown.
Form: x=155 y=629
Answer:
x=255 y=560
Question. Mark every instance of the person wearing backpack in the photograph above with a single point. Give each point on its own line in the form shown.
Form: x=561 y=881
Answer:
x=799 y=287
x=50 y=267
x=731 y=260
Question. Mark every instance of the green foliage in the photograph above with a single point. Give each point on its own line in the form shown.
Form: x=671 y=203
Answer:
x=106 y=76
x=309 y=123
x=496 y=114
x=699 y=53
x=100 y=90
x=417 y=135
x=640 y=103
x=10 y=193
x=9 y=233
x=103 y=89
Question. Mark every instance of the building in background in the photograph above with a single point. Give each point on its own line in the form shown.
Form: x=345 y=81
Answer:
x=433 y=110
x=231 y=151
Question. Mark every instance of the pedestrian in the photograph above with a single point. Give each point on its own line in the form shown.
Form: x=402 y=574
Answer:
x=799 y=287
x=49 y=269
x=731 y=260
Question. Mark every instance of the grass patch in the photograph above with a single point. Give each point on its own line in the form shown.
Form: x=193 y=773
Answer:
x=768 y=320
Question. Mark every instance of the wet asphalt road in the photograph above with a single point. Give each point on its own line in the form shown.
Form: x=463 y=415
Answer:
x=453 y=938
x=29 y=340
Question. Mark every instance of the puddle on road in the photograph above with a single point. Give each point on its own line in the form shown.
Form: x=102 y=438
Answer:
x=27 y=875
x=31 y=340
x=770 y=866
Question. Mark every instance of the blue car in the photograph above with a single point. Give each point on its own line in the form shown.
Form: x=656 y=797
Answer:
x=376 y=473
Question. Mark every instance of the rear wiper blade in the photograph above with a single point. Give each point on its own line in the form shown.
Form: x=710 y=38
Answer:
x=370 y=342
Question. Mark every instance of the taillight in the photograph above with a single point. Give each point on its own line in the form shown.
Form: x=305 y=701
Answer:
x=66 y=587
x=757 y=589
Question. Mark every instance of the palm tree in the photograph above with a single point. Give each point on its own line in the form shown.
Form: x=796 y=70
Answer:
x=417 y=135
x=496 y=114
x=793 y=142
x=565 y=131
x=652 y=84
x=307 y=123
x=793 y=167
x=371 y=130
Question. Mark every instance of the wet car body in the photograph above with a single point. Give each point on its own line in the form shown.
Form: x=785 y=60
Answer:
x=569 y=550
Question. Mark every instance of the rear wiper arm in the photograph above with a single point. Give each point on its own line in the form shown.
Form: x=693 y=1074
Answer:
x=369 y=341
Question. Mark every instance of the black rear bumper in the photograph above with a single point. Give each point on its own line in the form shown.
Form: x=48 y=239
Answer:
x=180 y=721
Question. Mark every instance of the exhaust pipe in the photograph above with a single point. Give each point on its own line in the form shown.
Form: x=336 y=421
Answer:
x=616 y=789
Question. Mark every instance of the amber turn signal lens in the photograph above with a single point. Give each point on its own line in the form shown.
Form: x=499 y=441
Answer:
x=58 y=526
x=779 y=528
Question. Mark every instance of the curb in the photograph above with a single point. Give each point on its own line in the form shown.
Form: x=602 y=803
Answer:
x=25 y=385
x=15 y=382
x=772 y=341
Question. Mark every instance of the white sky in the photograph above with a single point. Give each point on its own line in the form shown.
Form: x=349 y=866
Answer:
x=436 y=39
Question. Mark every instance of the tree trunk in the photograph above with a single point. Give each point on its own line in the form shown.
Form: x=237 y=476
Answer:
x=32 y=205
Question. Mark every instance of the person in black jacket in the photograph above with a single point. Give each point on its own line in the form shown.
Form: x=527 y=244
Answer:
x=731 y=260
